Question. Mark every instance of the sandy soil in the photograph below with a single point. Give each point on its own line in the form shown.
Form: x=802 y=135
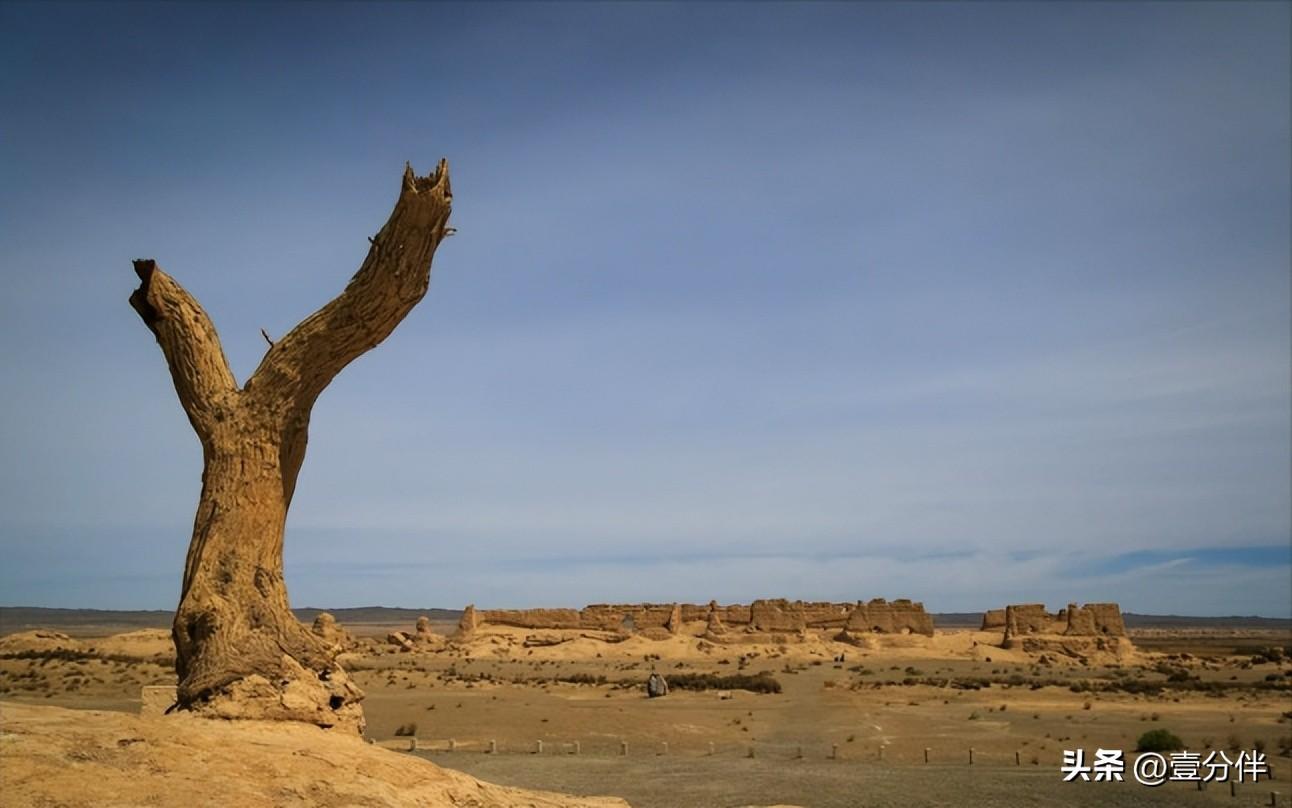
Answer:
x=880 y=708
x=53 y=756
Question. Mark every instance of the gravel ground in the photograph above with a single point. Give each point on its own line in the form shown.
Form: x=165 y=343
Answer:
x=719 y=781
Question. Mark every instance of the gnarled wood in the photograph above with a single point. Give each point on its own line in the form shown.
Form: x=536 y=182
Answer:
x=240 y=653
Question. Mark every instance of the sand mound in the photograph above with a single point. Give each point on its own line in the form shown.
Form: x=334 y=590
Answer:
x=52 y=756
x=146 y=643
x=40 y=640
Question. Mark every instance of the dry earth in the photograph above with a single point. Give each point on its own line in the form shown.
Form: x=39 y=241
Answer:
x=1018 y=712
x=54 y=756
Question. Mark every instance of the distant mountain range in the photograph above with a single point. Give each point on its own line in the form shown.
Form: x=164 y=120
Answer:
x=23 y=618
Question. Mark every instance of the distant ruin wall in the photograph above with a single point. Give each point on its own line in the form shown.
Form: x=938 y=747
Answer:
x=776 y=616
x=826 y=615
x=692 y=612
x=878 y=616
x=764 y=616
x=1102 y=621
x=736 y=615
x=1095 y=620
x=530 y=618
x=635 y=616
x=1031 y=618
x=993 y=619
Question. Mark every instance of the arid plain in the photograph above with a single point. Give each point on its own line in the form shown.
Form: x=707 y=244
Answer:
x=751 y=718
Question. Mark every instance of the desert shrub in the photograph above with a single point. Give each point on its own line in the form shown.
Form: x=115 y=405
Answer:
x=406 y=730
x=759 y=683
x=1159 y=740
x=1285 y=745
x=1271 y=654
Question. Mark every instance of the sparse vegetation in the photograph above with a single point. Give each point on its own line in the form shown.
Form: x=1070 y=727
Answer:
x=1159 y=740
x=758 y=683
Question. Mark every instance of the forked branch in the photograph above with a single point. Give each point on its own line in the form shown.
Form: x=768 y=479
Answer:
x=190 y=344
x=391 y=281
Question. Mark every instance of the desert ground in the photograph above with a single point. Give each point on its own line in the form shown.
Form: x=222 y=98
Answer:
x=566 y=712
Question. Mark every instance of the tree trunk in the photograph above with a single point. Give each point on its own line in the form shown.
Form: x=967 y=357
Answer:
x=240 y=652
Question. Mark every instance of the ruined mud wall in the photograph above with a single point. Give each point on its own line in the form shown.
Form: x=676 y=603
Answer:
x=993 y=619
x=826 y=615
x=691 y=612
x=777 y=616
x=530 y=618
x=763 y=616
x=878 y=616
x=1031 y=618
x=635 y=616
x=1095 y=620
x=1076 y=631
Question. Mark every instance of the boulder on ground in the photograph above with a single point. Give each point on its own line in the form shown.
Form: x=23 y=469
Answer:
x=400 y=640
x=329 y=630
x=656 y=686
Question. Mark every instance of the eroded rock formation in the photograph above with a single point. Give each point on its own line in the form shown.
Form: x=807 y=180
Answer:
x=467 y=623
x=400 y=640
x=714 y=629
x=330 y=631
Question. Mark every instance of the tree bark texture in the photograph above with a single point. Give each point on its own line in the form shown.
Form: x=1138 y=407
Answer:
x=240 y=652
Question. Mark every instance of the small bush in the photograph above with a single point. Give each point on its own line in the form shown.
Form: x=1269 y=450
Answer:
x=759 y=683
x=406 y=730
x=1285 y=745
x=1159 y=740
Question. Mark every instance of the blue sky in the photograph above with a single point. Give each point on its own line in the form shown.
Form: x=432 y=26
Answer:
x=969 y=303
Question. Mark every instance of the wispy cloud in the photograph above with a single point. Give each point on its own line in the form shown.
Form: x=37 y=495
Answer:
x=968 y=303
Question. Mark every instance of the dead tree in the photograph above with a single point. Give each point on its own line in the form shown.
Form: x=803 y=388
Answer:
x=240 y=652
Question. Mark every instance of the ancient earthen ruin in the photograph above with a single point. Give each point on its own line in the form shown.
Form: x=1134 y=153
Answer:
x=1075 y=630
x=762 y=620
